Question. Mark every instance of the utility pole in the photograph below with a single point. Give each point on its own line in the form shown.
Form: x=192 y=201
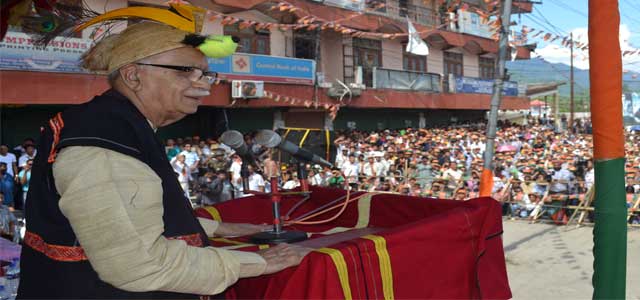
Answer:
x=570 y=125
x=486 y=182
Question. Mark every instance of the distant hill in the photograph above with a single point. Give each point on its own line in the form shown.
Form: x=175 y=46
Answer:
x=537 y=70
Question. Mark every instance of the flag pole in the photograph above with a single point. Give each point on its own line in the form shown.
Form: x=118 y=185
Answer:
x=486 y=181
x=605 y=75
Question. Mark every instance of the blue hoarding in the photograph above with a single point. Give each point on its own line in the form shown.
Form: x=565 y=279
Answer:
x=470 y=85
x=17 y=52
x=264 y=68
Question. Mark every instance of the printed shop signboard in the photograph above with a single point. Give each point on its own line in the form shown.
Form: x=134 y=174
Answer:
x=242 y=66
x=17 y=52
x=62 y=55
x=470 y=85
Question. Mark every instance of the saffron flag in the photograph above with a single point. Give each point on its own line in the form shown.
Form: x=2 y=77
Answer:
x=416 y=45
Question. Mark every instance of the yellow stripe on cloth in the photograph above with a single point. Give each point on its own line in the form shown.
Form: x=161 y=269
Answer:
x=385 y=264
x=215 y=214
x=335 y=230
x=364 y=214
x=364 y=210
x=341 y=267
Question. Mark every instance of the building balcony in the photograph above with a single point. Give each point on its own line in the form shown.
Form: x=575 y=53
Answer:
x=406 y=80
x=470 y=23
x=419 y=14
x=518 y=6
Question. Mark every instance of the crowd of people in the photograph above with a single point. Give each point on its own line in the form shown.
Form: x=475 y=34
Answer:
x=532 y=164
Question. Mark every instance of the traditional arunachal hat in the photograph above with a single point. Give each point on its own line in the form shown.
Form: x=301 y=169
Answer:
x=136 y=42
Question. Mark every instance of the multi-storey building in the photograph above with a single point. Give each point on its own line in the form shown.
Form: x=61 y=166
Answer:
x=303 y=70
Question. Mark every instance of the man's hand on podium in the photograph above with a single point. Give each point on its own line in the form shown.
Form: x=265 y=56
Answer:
x=239 y=229
x=282 y=256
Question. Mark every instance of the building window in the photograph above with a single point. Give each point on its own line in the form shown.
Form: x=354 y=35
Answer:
x=367 y=54
x=251 y=40
x=377 y=5
x=304 y=44
x=487 y=68
x=403 y=8
x=453 y=64
x=416 y=63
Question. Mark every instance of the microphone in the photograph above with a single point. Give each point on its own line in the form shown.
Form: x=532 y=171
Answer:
x=235 y=140
x=271 y=139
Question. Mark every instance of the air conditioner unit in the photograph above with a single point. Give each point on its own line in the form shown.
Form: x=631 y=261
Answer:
x=247 y=89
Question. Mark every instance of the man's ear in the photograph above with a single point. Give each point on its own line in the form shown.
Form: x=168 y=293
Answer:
x=129 y=74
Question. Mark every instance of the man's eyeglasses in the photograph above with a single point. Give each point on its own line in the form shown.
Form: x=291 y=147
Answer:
x=195 y=73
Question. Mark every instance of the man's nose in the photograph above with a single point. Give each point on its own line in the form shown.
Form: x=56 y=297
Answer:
x=202 y=84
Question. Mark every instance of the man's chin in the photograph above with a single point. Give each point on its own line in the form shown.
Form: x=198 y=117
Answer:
x=192 y=104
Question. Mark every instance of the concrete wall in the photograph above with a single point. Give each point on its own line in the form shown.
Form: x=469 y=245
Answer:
x=331 y=56
x=435 y=63
x=280 y=41
x=392 y=54
x=470 y=62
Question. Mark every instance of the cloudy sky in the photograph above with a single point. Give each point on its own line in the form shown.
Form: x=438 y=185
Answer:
x=561 y=17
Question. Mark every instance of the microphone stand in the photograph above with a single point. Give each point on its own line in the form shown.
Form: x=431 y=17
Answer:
x=244 y=174
x=277 y=235
x=302 y=176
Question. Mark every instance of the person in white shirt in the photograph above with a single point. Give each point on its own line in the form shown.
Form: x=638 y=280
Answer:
x=315 y=176
x=562 y=179
x=369 y=168
x=191 y=158
x=589 y=176
x=236 y=179
x=256 y=182
x=350 y=170
x=29 y=153
x=383 y=166
x=453 y=175
x=290 y=181
x=182 y=169
x=10 y=160
x=341 y=157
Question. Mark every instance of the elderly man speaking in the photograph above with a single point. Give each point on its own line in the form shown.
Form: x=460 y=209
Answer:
x=106 y=215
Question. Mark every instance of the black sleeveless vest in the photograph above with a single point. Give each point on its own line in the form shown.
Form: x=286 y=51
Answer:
x=53 y=264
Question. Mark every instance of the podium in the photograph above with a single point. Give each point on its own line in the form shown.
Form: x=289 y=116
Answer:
x=383 y=246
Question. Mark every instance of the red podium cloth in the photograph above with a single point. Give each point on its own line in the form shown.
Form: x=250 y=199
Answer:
x=423 y=249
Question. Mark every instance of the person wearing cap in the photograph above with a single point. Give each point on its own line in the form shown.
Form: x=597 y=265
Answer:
x=107 y=216
x=562 y=179
x=218 y=162
x=335 y=180
x=461 y=194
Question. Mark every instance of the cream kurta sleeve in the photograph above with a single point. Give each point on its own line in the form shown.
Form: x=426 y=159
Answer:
x=209 y=226
x=114 y=205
